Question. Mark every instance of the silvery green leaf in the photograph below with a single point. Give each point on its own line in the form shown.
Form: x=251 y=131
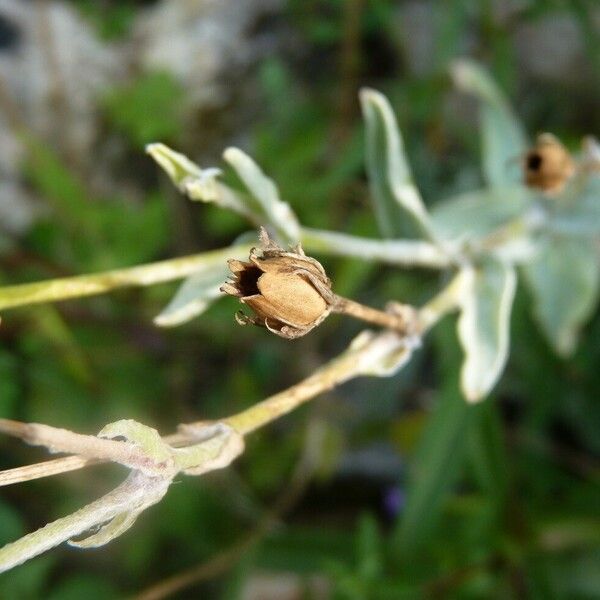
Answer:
x=265 y=196
x=503 y=139
x=395 y=195
x=108 y=532
x=197 y=183
x=474 y=214
x=133 y=496
x=483 y=326
x=201 y=289
x=576 y=211
x=387 y=353
x=147 y=439
x=177 y=166
x=564 y=280
x=193 y=297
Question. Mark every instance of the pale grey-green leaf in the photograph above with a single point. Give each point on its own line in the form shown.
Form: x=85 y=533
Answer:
x=264 y=191
x=564 y=280
x=108 y=532
x=395 y=196
x=474 y=214
x=193 y=297
x=177 y=166
x=503 y=139
x=577 y=210
x=483 y=326
x=200 y=184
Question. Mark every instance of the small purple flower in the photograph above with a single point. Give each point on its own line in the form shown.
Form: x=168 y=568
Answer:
x=394 y=500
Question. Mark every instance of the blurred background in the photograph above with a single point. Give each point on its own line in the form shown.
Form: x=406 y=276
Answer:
x=314 y=507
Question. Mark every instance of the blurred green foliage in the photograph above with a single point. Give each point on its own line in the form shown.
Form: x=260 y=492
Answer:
x=500 y=501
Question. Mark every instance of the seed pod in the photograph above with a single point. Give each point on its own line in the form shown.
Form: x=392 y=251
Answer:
x=289 y=292
x=548 y=165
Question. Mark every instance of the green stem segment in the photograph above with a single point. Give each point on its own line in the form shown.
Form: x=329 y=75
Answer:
x=100 y=283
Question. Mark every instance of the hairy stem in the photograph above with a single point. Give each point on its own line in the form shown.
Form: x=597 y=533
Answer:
x=99 y=283
x=357 y=360
x=408 y=253
x=413 y=253
x=401 y=322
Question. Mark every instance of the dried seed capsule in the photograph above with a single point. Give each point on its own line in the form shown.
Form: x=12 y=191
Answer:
x=548 y=165
x=289 y=292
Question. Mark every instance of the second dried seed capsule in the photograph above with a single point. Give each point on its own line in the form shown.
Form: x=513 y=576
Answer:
x=548 y=165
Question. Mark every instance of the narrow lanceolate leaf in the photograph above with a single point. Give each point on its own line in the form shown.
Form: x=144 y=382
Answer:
x=440 y=454
x=564 y=280
x=397 y=199
x=503 y=139
x=193 y=297
x=265 y=195
x=483 y=326
x=197 y=183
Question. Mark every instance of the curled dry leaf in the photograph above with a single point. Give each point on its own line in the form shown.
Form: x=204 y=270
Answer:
x=154 y=464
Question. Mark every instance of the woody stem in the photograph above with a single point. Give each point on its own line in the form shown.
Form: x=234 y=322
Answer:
x=359 y=311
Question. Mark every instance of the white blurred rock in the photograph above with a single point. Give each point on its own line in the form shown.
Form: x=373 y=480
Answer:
x=204 y=43
x=56 y=71
x=552 y=48
x=52 y=70
x=17 y=211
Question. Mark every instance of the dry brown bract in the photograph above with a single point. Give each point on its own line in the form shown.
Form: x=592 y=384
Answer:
x=548 y=165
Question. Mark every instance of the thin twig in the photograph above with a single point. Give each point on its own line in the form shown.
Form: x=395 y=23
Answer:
x=56 y=290
x=352 y=363
x=407 y=253
x=45 y=469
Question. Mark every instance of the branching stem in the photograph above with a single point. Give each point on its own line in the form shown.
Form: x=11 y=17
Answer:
x=407 y=253
x=354 y=362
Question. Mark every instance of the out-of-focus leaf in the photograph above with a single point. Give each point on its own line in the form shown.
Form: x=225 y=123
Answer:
x=201 y=289
x=474 y=214
x=197 y=183
x=52 y=179
x=484 y=326
x=438 y=460
x=193 y=297
x=577 y=211
x=439 y=456
x=395 y=195
x=48 y=322
x=132 y=233
x=181 y=169
x=370 y=549
x=264 y=191
x=487 y=452
x=503 y=139
x=564 y=280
